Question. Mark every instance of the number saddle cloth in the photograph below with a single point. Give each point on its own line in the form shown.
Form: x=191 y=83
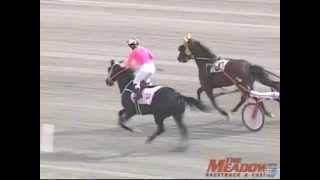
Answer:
x=217 y=66
x=147 y=95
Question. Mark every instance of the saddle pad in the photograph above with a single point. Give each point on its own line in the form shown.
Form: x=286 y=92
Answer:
x=218 y=66
x=147 y=95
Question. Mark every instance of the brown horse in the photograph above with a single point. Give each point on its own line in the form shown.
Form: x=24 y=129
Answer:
x=234 y=70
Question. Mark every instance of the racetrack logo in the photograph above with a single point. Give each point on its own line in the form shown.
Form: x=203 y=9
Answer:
x=233 y=167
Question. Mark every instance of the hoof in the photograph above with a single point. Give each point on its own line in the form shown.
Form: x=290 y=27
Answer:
x=184 y=143
x=149 y=140
x=136 y=130
x=181 y=148
x=270 y=115
x=229 y=116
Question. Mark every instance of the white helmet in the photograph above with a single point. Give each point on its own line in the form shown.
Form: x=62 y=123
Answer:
x=133 y=41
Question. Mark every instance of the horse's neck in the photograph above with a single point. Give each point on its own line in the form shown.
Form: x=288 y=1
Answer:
x=124 y=83
x=202 y=51
x=203 y=75
x=201 y=66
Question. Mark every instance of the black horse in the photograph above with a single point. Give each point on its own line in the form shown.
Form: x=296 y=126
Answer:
x=166 y=102
x=234 y=71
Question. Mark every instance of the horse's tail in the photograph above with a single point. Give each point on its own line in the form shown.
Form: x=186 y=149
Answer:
x=192 y=102
x=260 y=74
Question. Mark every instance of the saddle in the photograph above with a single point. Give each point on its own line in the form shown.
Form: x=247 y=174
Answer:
x=147 y=92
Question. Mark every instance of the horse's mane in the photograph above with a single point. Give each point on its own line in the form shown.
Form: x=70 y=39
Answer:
x=204 y=50
x=129 y=73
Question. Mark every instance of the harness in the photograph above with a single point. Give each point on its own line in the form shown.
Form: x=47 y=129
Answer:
x=126 y=88
x=138 y=110
x=211 y=61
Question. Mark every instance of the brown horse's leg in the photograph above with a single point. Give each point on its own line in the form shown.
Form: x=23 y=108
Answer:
x=266 y=112
x=199 y=91
x=242 y=100
x=214 y=103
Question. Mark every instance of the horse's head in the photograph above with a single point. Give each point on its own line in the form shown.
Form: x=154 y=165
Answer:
x=191 y=49
x=185 y=53
x=115 y=70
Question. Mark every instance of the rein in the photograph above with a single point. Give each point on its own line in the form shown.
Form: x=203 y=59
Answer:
x=205 y=59
x=126 y=87
x=117 y=74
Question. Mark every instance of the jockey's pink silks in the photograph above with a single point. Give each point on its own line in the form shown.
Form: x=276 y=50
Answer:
x=138 y=57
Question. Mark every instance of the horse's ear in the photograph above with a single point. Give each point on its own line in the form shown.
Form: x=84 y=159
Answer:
x=112 y=62
x=189 y=36
x=185 y=39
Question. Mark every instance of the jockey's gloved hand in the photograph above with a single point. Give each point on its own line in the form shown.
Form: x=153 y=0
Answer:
x=123 y=64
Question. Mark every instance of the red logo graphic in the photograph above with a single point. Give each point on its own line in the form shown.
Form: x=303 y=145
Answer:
x=233 y=167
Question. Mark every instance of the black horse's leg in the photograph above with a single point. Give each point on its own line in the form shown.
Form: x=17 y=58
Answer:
x=123 y=117
x=183 y=129
x=213 y=101
x=159 y=121
x=242 y=100
x=199 y=91
x=120 y=113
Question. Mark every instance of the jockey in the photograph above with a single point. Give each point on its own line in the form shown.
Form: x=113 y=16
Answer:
x=140 y=60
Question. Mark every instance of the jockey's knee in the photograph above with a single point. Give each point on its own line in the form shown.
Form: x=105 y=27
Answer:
x=137 y=85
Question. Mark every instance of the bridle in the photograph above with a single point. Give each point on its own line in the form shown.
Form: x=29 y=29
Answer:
x=116 y=74
x=188 y=52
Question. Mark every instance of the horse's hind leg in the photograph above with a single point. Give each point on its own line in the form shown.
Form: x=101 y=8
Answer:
x=266 y=112
x=215 y=105
x=199 y=91
x=183 y=129
x=242 y=100
x=159 y=121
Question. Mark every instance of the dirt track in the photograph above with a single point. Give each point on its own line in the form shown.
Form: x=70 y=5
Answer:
x=78 y=38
